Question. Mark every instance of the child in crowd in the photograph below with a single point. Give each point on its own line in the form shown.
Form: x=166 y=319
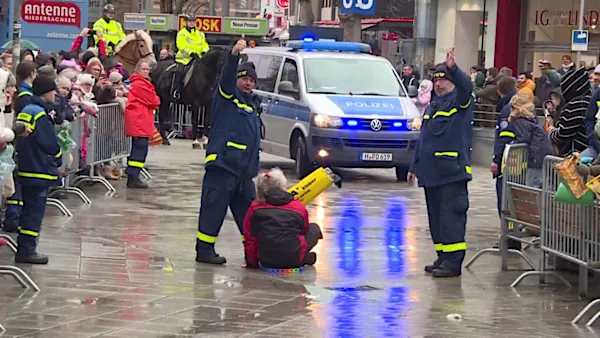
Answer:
x=523 y=123
x=277 y=233
x=63 y=109
x=424 y=95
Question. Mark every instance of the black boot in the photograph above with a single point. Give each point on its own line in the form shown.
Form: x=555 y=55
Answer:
x=310 y=258
x=166 y=141
x=436 y=264
x=134 y=182
x=210 y=258
x=443 y=271
x=36 y=258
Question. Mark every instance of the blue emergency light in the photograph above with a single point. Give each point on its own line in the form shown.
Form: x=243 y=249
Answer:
x=309 y=44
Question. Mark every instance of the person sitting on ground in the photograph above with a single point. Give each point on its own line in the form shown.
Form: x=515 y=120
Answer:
x=277 y=233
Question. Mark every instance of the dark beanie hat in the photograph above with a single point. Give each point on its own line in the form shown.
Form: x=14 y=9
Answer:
x=441 y=71
x=87 y=56
x=42 y=85
x=246 y=69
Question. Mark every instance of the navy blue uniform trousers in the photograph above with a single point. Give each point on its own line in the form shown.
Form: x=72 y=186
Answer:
x=137 y=157
x=499 y=195
x=447 y=207
x=14 y=206
x=34 y=207
x=220 y=190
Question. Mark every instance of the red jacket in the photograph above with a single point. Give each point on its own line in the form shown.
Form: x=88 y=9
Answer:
x=140 y=107
x=274 y=232
x=79 y=40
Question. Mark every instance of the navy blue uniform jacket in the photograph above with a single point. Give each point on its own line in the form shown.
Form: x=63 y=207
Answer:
x=39 y=153
x=24 y=96
x=443 y=152
x=235 y=131
x=502 y=136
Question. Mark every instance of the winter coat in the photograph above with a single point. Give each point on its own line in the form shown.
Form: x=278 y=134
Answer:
x=528 y=131
x=274 y=232
x=140 y=107
x=592 y=121
x=63 y=109
x=570 y=132
x=546 y=84
x=527 y=88
x=489 y=93
x=424 y=97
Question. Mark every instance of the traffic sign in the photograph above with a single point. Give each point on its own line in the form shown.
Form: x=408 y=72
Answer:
x=283 y=4
x=358 y=7
x=579 y=40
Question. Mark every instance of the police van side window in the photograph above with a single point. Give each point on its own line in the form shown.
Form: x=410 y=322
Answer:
x=267 y=71
x=290 y=74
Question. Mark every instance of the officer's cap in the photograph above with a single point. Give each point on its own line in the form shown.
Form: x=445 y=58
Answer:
x=110 y=8
x=441 y=71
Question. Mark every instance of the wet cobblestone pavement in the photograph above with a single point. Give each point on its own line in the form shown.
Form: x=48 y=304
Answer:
x=124 y=267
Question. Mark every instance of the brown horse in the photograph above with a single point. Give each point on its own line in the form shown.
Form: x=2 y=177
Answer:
x=135 y=46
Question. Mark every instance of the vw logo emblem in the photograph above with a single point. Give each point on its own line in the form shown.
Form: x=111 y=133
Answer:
x=376 y=125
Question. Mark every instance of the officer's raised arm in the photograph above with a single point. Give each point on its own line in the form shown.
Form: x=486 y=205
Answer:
x=227 y=83
x=462 y=81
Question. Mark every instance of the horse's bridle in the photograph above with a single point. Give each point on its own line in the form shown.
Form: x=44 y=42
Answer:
x=136 y=50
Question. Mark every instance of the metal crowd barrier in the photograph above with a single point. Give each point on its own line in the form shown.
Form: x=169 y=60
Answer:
x=181 y=116
x=486 y=116
x=70 y=165
x=107 y=142
x=14 y=271
x=568 y=231
x=520 y=207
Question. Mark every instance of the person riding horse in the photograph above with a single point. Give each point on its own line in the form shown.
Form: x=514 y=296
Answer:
x=110 y=28
x=191 y=45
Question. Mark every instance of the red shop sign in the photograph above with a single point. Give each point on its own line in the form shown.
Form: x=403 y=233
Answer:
x=51 y=13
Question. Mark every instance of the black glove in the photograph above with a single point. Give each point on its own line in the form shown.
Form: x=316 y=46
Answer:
x=195 y=56
x=112 y=44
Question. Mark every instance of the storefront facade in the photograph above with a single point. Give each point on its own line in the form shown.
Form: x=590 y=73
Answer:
x=546 y=28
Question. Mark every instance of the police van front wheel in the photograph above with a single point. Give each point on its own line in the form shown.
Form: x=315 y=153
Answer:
x=401 y=173
x=303 y=164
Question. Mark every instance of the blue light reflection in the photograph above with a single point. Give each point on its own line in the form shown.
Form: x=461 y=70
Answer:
x=348 y=232
x=395 y=243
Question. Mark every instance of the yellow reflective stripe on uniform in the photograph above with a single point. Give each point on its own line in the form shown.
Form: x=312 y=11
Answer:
x=14 y=202
x=425 y=117
x=507 y=134
x=23 y=93
x=59 y=154
x=438 y=247
x=598 y=104
x=468 y=169
x=466 y=105
x=135 y=164
x=454 y=247
x=36 y=175
x=206 y=238
x=38 y=115
x=237 y=145
x=243 y=106
x=24 y=117
x=225 y=95
x=445 y=113
x=446 y=153
x=211 y=157
x=29 y=233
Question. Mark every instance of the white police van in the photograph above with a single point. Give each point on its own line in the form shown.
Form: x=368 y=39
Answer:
x=333 y=104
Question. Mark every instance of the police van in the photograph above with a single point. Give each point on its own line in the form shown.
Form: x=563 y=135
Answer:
x=334 y=104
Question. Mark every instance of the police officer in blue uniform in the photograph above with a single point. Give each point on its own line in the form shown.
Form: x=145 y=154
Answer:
x=231 y=154
x=507 y=88
x=37 y=168
x=442 y=165
x=26 y=73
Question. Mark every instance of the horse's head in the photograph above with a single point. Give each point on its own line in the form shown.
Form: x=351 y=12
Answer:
x=135 y=46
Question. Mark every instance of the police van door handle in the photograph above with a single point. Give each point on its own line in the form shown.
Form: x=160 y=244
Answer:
x=269 y=100
x=276 y=101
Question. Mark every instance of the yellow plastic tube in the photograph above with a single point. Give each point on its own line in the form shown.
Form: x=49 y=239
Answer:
x=314 y=184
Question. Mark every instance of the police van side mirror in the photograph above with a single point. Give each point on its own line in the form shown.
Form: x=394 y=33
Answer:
x=412 y=91
x=287 y=88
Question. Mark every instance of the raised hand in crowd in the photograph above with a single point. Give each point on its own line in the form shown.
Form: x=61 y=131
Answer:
x=84 y=32
x=239 y=45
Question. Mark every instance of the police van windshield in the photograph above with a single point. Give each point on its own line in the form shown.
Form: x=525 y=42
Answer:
x=339 y=76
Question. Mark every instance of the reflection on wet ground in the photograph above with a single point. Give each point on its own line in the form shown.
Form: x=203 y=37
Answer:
x=124 y=267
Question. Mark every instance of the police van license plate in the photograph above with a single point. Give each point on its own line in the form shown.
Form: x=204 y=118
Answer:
x=382 y=157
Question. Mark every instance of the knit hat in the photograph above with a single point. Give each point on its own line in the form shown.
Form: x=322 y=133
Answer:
x=47 y=71
x=246 y=69
x=87 y=56
x=63 y=82
x=115 y=77
x=12 y=81
x=441 y=71
x=69 y=73
x=94 y=61
x=83 y=79
x=597 y=69
x=43 y=85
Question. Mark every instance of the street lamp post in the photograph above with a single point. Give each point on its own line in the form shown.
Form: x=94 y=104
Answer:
x=16 y=52
x=581 y=9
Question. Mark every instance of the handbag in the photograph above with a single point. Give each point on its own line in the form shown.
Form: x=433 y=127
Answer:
x=564 y=194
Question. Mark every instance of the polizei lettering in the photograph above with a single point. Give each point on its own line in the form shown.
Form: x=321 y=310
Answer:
x=358 y=104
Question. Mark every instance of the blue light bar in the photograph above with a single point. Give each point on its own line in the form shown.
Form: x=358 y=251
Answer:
x=321 y=45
